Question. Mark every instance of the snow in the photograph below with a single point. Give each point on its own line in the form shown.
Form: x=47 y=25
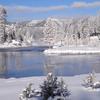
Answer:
x=93 y=47
x=10 y=89
x=70 y=31
x=73 y=50
x=33 y=22
x=16 y=44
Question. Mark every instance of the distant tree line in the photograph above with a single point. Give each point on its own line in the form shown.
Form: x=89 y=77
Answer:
x=70 y=30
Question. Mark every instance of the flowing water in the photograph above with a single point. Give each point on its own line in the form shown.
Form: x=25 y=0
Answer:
x=32 y=63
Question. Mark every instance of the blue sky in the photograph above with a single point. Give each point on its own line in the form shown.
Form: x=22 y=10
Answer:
x=41 y=9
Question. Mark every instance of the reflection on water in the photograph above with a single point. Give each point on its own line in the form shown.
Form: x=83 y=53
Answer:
x=23 y=64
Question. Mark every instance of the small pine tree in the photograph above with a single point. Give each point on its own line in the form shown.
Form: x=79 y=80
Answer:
x=51 y=88
x=3 y=23
x=48 y=87
x=90 y=79
x=26 y=93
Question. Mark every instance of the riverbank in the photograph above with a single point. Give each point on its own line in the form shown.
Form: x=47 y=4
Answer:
x=11 y=88
x=17 y=46
x=73 y=50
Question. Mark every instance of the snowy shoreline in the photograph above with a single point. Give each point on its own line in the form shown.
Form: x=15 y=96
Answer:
x=73 y=50
x=23 y=48
x=12 y=87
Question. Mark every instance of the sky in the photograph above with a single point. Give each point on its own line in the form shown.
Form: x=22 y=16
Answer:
x=20 y=10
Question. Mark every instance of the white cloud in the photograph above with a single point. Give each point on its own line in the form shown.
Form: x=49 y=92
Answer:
x=85 y=5
x=25 y=9
x=35 y=9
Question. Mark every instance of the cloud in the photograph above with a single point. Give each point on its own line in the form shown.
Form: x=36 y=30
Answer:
x=26 y=9
x=35 y=9
x=85 y=5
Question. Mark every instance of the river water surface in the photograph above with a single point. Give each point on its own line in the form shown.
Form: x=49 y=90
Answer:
x=32 y=63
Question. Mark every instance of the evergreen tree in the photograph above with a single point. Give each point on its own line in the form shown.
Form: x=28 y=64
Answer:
x=89 y=81
x=51 y=88
x=3 y=14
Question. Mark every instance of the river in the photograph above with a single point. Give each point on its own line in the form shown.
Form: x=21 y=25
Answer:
x=32 y=63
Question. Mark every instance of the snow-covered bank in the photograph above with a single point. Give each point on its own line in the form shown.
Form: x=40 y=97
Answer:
x=17 y=46
x=11 y=88
x=73 y=50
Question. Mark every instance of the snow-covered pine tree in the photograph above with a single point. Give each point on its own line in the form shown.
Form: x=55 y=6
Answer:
x=3 y=14
x=26 y=93
x=89 y=81
x=48 y=87
x=52 y=88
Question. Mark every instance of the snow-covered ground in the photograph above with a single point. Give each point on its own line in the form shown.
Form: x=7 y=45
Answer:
x=16 y=44
x=11 y=88
x=92 y=47
x=73 y=50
